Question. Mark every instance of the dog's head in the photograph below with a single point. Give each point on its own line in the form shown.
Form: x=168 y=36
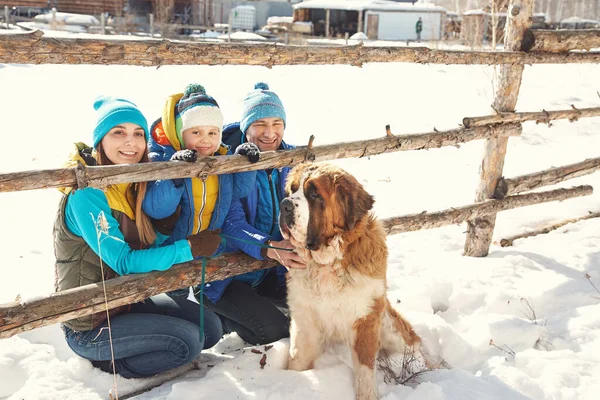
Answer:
x=323 y=201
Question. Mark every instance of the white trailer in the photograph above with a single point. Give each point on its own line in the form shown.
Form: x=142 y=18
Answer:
x=400 y=24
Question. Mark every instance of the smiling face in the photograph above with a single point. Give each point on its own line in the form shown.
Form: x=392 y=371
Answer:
x=266 y=133
x=204 y=139
x=125 y=144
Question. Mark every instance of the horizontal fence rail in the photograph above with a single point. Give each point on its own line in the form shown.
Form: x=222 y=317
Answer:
x=538 y=116
x=35 y=48
x=17 y=317
x=508 y=241
x=551 y=176
x=107 y=175
x=561 y=40
x=456 y=215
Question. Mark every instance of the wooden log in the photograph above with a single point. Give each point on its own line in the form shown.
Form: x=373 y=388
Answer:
x=34 y=48
x=551 y=176
x=546 y=229
x=543 y=116
x=17 y=317
x=457 y=215
x=508 y=83
x=561 y=41
x=107 y=175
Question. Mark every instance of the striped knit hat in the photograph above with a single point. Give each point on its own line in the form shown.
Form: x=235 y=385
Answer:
x=196 y=108
x=261 y=103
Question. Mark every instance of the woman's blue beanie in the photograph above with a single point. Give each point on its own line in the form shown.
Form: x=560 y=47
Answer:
x=111 y=111
x=261 y=103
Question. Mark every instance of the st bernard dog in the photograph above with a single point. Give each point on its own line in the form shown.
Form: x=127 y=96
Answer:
x=341 y=294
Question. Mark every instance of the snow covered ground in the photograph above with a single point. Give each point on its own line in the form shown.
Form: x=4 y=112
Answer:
x=456 y=303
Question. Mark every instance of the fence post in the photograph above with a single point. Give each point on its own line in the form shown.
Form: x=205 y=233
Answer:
x=346 y=34
x=151 y=20
x=359 y=28
x=6 y=17
x=327 y=15
x=508 y=83
x=103 y=22
x=53 y=22
x=229 y=22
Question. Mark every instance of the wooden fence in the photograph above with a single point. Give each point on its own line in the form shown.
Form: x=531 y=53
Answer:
x=495 y=192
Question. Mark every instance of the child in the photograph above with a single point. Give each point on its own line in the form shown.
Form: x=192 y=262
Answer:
x=102 y=233
x=190 y=125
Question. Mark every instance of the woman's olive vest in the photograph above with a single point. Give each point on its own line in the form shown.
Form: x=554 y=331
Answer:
x=78 y=265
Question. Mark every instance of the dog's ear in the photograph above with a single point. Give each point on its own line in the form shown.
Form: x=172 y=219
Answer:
x=353 y=199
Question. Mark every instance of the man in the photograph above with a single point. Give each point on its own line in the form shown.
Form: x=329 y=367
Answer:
x=419 y=28
x=253 y=304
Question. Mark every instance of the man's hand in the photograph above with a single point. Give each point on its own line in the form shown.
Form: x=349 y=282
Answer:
x=249 y=150
x=185 y=155
x=288 y=259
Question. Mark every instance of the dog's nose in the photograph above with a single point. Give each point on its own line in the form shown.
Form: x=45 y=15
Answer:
x=286 y=205
x=286 y=213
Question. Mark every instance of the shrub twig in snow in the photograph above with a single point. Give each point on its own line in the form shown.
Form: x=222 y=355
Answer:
x=101 y=225
x=505 y=349
x=589 y=278
x=407 y=370
x=529 y=313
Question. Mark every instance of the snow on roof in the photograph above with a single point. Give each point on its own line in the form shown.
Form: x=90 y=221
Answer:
x=69 y=18
x=359 y=5
x=246 y=7
x=574 y=20
x=475 y=12
x=242 y=36
x=280 y=20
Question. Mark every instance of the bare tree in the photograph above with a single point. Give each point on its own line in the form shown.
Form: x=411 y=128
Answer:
x=163 y=10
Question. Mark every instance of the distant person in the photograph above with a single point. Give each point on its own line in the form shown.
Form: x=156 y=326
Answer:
x=419 y=28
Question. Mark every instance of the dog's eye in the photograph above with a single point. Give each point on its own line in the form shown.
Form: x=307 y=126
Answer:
x=314 y=196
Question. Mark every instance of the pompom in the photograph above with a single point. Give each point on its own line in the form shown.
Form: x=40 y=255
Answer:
x=194 y=88
x=99 y=101
x=261 y=86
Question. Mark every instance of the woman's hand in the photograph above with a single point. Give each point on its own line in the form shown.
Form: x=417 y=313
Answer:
x=289 y=259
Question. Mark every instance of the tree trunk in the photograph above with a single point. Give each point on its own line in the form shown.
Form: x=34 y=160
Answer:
x=34 y=48
x=480 y=230
x=547 y=177
x=109 y=175
x=17 y=317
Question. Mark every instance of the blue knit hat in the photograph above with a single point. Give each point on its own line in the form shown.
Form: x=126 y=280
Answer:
x=261 y=103
x=111 y=111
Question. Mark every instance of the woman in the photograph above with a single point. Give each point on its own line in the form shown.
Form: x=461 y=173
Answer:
x=102 y=233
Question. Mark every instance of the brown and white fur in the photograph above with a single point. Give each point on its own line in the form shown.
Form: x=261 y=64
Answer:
x=341 y=295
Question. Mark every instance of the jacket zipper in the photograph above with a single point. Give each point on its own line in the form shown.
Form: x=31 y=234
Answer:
x=215 y=218
x=272 y=189
x=203 y=204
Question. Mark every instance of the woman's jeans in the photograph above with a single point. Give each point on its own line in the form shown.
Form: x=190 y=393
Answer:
x=158 y=334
